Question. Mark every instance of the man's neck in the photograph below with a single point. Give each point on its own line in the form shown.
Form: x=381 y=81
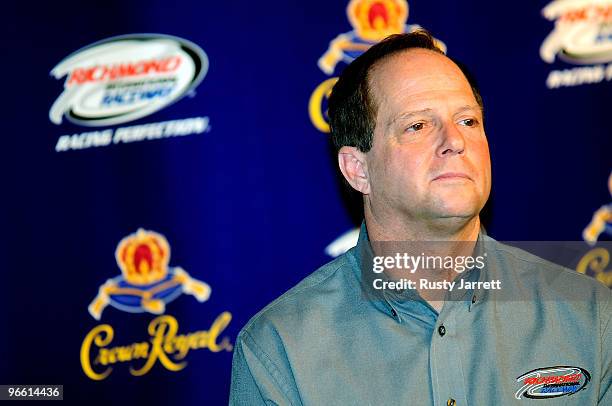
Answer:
x=449 y=230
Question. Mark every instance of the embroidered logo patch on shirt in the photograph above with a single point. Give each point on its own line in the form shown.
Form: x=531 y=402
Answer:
x=552 y=382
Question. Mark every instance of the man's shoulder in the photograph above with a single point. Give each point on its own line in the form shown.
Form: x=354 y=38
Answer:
x=312 y=301
x=542 y=277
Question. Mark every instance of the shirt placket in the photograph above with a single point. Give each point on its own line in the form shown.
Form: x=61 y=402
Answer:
x=448 y=381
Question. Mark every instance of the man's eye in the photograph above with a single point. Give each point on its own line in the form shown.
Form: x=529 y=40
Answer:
x=469 y=122
x=415 y=127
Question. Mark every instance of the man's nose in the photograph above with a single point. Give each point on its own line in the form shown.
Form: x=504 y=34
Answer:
x=452 y=141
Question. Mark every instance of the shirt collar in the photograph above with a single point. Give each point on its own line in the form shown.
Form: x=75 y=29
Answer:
x=393 y=303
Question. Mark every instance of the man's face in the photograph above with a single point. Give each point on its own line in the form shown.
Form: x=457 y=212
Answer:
x=429 y=158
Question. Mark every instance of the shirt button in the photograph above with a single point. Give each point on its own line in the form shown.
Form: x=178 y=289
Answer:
x=451 y=402
x=442 y=331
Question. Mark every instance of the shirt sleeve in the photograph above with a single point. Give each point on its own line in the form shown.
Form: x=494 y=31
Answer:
x=605 y=394
x=255 y=378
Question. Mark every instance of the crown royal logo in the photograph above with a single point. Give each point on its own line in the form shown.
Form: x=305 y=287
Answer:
x=372 y=21
x=601 y=223
x=597 y=259
x=146 y=284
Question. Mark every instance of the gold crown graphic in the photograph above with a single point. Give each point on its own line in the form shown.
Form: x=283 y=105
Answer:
x=374 y=20
x=143 y=257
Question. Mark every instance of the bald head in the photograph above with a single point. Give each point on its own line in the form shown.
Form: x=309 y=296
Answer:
x=413 y=78
x=352 y=110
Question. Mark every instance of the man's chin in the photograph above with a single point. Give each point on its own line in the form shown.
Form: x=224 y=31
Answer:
x=451 y=222
x=462 y=206
x=457 y=214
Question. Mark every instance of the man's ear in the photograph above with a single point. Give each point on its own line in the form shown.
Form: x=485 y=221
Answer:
x=353 y=166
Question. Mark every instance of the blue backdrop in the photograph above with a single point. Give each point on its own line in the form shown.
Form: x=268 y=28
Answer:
x=243 y=195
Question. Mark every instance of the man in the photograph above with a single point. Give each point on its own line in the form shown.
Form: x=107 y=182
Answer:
x=408 y=126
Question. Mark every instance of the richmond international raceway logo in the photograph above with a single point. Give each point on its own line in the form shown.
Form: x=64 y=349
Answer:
x=124 y=78
x=146 y=285
x=552 y=382
x=372 y=21
x=582 y=36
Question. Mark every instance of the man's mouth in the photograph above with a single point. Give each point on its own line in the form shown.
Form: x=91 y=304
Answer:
x=452 y=176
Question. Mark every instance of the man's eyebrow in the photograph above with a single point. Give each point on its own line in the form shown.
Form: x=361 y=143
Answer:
x=407 y=115
x=467 y=107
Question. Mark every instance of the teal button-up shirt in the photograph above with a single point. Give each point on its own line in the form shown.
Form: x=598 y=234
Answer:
x=326 y=343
